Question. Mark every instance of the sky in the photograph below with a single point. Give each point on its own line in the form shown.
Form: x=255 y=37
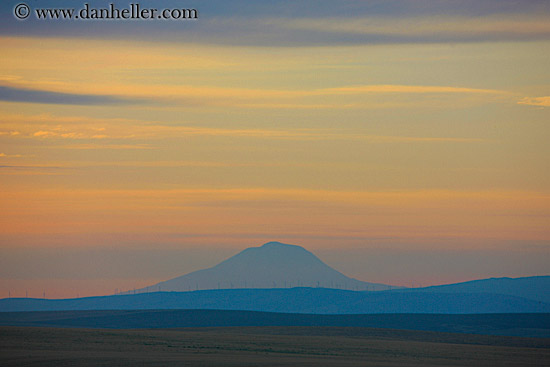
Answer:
x=403 y=142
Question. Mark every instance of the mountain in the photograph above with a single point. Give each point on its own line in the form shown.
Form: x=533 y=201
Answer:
x=293 y=300
x=273 y=265
x=535 y=288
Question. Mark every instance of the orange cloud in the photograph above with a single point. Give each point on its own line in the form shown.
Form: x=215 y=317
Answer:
x=190 y=95
x=537 y=101
x=80 y=128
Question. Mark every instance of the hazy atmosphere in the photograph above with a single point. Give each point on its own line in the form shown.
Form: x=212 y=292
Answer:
x=402 y=142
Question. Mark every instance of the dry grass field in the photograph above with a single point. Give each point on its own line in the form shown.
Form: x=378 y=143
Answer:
x=264 y=346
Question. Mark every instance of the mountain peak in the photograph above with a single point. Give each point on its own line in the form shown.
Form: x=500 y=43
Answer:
x=276 y=244
x=271 y=265
x=280 y=245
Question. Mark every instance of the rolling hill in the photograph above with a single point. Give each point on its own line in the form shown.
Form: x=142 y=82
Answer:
x=534 y=288
x=293 y=300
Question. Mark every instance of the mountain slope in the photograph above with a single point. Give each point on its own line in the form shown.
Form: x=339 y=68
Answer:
x=273 y=265
x=535 y=288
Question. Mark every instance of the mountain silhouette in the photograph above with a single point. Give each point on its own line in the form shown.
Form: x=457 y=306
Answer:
x=273 y=265
x=535 y=288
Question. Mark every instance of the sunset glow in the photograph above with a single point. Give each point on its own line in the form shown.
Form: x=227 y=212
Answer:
x=381 y=136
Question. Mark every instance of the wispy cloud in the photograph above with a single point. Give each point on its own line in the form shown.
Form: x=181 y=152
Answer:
x=15 y=94
x=173 y=92
x=31 y=170
x=409 y=89
x=439 y=28
x=198 y=96
x=345 y=97
x=108 y=146
x=316 y=22
x=108 y=130
x=536 y=101
x=10 y=133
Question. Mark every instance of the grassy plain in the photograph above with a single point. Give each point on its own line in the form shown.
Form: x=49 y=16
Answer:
x=264 y=346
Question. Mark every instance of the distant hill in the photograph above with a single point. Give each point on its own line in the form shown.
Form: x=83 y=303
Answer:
x=294 y=300
x=526 y=325
x=534 y=288
x=273 y=265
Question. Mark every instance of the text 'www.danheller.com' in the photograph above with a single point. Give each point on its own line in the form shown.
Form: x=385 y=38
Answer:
x=133 y=11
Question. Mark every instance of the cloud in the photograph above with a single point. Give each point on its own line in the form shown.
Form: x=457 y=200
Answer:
x=407 y=89
x=16 y=94
x=84 y=128
x=9 y=133
x=537 y=101
x=344 y=97
x=308 y=22
x=108 y=146
x=443 y=28
x=31 y=170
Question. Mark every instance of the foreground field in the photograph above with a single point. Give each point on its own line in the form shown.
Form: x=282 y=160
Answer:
x=514 y=324
x=264 y=346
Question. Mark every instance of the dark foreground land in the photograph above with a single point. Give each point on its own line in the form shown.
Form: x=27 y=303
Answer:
x=264 y=346
x=514 y=324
